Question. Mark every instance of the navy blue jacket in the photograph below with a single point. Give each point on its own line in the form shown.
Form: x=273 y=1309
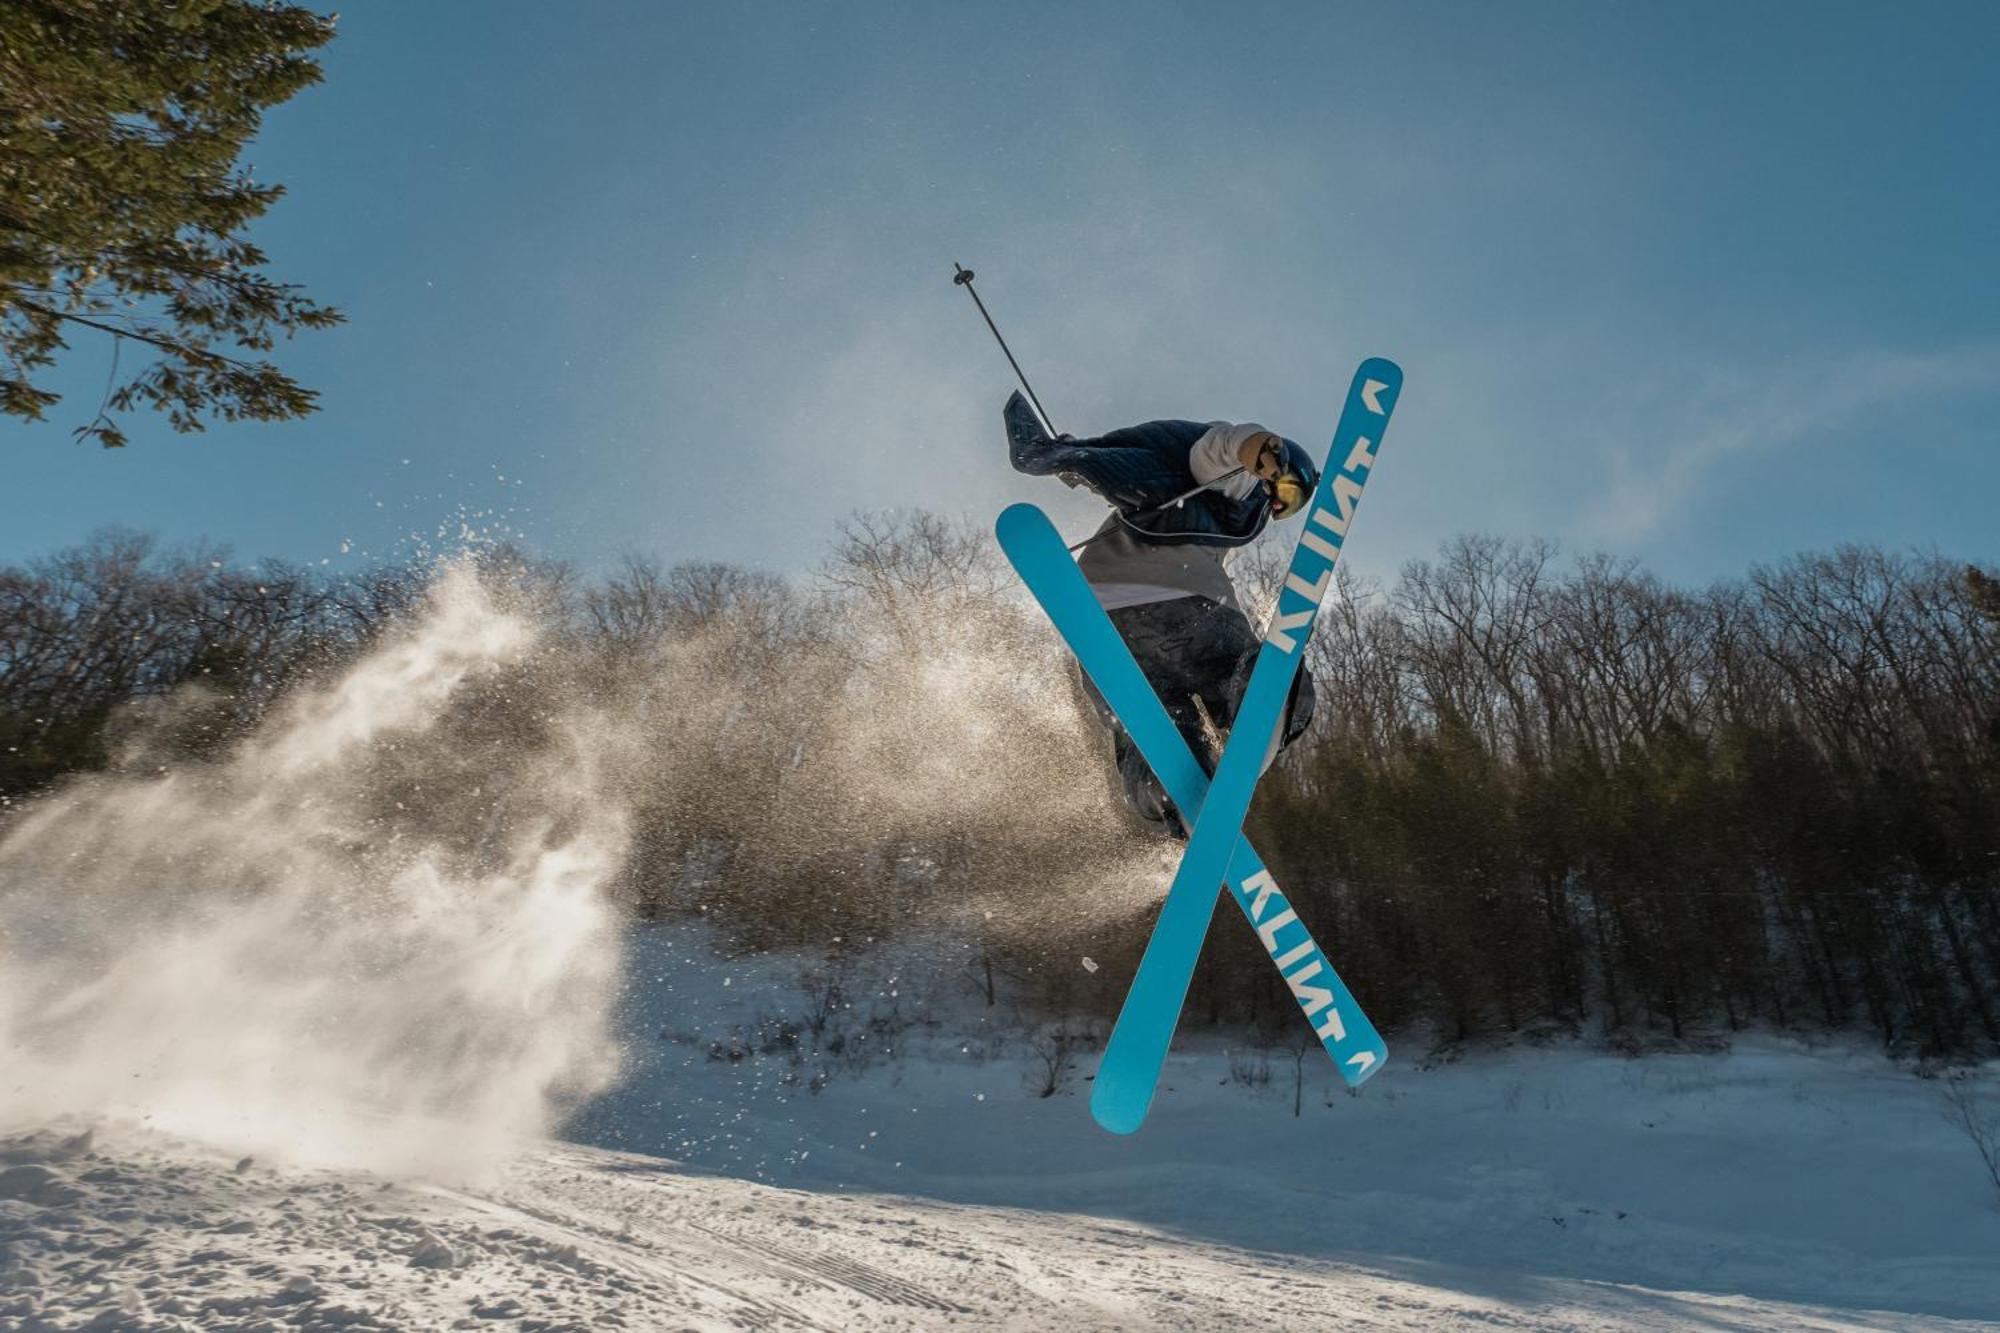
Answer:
x=1142 y=466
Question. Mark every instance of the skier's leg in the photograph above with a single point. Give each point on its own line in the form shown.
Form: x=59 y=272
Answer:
x=1232 y=650
x=1186 y=647
x=1190 y=649
x=1183 y=647
x=1300 y=705
x=1220 y=646
x=1142 y=792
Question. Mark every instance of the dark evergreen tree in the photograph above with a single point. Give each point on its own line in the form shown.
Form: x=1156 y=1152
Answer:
x=123 y=207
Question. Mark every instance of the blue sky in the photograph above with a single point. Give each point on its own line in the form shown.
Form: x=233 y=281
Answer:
x=1705 y=284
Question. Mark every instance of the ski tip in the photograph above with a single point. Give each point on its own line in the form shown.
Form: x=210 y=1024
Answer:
x=1359 y=1066
x=1018 y=518
x=1378 y=382
x=1380 y=368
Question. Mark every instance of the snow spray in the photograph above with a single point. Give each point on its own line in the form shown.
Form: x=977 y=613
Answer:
x=382 y=930
x=257 y=952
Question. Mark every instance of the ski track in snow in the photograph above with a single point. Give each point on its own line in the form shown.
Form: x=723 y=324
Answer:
x=130 y=1229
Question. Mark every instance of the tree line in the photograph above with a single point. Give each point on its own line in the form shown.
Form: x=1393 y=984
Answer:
x=1539 y=796
x=1575 y=795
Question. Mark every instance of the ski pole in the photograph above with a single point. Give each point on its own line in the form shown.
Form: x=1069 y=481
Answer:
x=962 y=277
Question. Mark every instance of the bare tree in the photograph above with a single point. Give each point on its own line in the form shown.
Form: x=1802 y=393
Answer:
x=825 y=990
x=1054 y=1047
x=914 y=571
x=1966 y=1112
x=1301 y=1045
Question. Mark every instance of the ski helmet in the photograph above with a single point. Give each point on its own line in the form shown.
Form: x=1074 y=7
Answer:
x=1295 y=483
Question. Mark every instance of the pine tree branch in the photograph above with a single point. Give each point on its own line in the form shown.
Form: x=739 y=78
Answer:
x=185 y=351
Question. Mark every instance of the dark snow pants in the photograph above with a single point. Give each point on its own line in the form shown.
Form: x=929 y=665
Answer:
x=1191 y=649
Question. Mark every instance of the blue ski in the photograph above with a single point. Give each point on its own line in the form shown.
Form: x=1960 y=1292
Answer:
x=1130 y=1070
x=1037 y=552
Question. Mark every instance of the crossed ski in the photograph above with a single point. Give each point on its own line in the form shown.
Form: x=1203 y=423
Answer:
x=1038 y=552
x=1216 y=850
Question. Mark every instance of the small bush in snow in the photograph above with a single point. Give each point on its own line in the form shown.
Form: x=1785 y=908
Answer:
x=825 y=990
x=776 y=1034
x=1971 y=1114
x=1054 y=1049
x=1249 y=1069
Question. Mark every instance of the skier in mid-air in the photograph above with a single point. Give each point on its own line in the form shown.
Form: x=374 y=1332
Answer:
x=1158 y=568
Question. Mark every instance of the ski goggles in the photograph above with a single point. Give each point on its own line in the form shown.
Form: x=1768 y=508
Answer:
x=1285 y=488
x=1288 y=493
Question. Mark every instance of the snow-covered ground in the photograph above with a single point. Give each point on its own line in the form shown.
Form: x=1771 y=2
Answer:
x=136 y=1231
x=738 y=1179
x=1822 y=1175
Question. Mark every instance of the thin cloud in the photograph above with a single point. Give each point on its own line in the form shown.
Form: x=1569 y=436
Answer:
x=1729 y=414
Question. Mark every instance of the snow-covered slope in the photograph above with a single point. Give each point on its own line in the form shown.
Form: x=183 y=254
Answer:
x=133 y=1230
x=898 y=1170
x=1818 y=1174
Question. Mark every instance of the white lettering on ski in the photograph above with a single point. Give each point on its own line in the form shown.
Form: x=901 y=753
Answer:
x=1312 y=999
x=1259 y=888
x=1282 y=626
x=1314 y=592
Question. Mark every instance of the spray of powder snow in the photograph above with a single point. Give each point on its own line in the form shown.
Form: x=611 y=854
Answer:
x=383 y=929
x=251 y=952
x=970 y=736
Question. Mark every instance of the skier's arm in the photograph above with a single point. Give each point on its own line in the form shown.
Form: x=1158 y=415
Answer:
x=1118 y=466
